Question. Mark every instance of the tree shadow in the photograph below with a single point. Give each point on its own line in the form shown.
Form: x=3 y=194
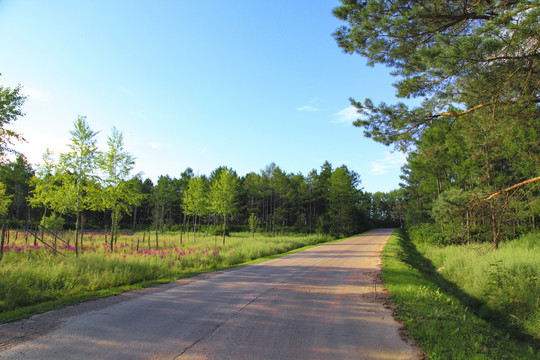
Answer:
x=499 y=320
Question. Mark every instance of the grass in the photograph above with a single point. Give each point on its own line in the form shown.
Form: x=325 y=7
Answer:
x=439 y=314
x=32 y=280
x=506 y=281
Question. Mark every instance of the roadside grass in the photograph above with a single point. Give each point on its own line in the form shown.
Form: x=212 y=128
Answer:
x=438 y=314
x=507 y=280
x=34 y=281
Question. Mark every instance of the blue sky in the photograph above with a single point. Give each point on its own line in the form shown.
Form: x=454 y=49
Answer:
x=196 y=84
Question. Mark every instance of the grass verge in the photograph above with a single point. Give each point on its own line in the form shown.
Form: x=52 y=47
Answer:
x=437 y=313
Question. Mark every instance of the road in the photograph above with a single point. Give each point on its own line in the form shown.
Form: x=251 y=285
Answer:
x=322 y=303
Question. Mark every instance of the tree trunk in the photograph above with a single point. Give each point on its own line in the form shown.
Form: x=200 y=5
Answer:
x=112 y=230
x=162 y=221
x=2 y=235
x=77 y=222
x=494 y=226
x=184 y=224
x=224 y=225
x=194 y=225
x=83 y=223
x=468 y=229
x=43 y=221
x=134 y=224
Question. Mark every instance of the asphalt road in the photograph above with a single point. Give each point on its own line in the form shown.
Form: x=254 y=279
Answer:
x=322 y=303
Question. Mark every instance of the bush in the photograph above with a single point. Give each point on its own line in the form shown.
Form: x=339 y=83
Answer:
x=54 y=222
x=427 y=233
x=218 y=231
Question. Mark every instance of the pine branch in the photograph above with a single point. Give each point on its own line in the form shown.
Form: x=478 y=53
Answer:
x=523 y=183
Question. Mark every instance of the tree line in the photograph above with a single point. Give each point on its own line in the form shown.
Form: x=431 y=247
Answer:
x=85 y=188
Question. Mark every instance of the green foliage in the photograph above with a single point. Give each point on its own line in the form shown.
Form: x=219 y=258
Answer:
x=118 y=194
x=11 y=102
x=223 y=196
x=219 y=231
x=53 y=222
x=5 y=200
x=253 y=222
x=477 y=70
x=80 y=160
x=15 y=175
x=195 y=201
x=426 y=233
x=343 y=196
x=438 y=314
x=446 y=52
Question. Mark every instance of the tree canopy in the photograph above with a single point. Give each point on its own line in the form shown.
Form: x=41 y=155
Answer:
x=11 y=102
x=475 y=67
x=459 y=57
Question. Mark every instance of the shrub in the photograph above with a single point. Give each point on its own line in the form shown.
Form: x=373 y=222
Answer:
x=427 y=233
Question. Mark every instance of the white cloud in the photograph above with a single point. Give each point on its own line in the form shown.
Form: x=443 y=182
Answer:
x=38 y=141
x=155 y=145
x=347 y=115
x=392 y=160
x=307 y=108
x=34 y=94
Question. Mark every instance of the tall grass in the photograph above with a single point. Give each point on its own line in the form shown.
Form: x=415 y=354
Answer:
x=506 y=281
x=31 y=274
x=436 y=312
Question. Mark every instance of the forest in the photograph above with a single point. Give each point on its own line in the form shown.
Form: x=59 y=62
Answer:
x=81 y=225
x=86 y=189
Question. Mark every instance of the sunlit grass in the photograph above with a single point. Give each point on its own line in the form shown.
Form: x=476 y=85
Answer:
x=506 y=280
x=438 y=314
x=32 y=274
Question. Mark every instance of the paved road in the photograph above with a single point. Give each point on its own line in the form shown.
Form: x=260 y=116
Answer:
x=323 y=303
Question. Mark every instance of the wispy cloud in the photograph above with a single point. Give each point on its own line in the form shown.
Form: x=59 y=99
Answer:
x=155 y=145
x=310 y=106
x=34 y=94
x=347 y=115
x=307 y=108
x=392 y=160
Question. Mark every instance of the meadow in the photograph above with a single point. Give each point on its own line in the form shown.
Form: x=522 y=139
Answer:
x=506 y=281
x=467 y=302
x=31 y=274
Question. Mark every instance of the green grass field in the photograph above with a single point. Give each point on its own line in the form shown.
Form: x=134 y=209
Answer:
x=450 y=314
x=33 y=280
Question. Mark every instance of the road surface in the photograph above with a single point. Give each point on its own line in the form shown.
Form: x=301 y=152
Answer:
x=322 y=303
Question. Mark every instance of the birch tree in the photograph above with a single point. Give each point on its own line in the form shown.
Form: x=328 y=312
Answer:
x=195 y=200
x=80 y=161
x=118 y=194
x=5 y=201
x=223 y=195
